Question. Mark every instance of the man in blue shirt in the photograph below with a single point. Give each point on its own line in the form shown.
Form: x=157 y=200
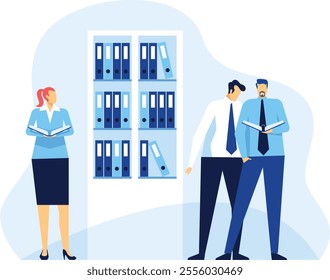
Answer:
x=260 y=150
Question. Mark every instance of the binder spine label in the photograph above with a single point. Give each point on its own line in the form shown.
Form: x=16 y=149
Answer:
x=108 y=109
x=152 y=109
x=108 y=64
x=116 y=109
x=125 y=61
x=159 y=158
x=161 y=110
x=107 y=159
x=152 y=61
x=99 y=158
x=144 y=109
x=167 y=69
x=98 y=110
x=98 y=61
x=144 y=159
x=144 y=61
x=125 y=110
x=125 y=158
x=116 y=158
x=116 y=61
x=170 y=105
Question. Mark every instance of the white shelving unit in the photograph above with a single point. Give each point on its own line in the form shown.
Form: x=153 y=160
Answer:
x=110 y=198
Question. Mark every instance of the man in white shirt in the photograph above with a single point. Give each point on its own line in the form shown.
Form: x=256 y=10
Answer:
x=225 y=159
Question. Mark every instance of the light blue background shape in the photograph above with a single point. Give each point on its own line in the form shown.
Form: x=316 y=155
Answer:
x=61 y=61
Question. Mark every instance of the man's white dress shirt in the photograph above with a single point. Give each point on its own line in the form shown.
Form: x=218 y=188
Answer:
x=218 y=110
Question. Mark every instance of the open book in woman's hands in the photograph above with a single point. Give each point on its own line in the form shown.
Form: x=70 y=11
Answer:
x=49 y=133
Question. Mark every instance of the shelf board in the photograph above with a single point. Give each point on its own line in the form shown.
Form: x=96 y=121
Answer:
x=107 y=129
x=146 y=178
x=157 y=80
x=158 y=177
x=105 y=178
x=157 y=129
x=113 y=80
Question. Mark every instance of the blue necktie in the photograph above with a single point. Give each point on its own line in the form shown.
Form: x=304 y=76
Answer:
x=263 y=146
x=231 y=139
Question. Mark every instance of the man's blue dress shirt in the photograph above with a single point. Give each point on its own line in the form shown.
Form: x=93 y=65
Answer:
x=247 y=137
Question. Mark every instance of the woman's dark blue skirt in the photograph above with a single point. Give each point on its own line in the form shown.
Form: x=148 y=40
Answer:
x=51 y=181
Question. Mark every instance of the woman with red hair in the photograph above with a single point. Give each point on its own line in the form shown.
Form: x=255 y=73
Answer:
x=50 y=165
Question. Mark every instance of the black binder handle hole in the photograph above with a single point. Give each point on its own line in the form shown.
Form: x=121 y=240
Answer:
x=99 y=168
x=163 y=167
x=144 y=71
x=167 y=70
x=116 y=168
x=99 y=71
x=144 y=119
x=153 y=71
x=125 y=168
x=116 y=71
x=170 y=120
x=125 y=71
x=108 y=71
x=161 y=119
x=116 y=120
x=152 y=120
x=99 y=119
x=125 y=119
x=107 y=119
x=107 y=168
x=144 y=168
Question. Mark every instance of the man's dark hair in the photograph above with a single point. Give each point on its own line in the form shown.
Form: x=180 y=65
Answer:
x=235 y=83
x=261 y=81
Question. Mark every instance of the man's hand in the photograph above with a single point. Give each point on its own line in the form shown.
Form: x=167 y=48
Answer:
x=268 y=131
x=188 y=170
x=245 y=159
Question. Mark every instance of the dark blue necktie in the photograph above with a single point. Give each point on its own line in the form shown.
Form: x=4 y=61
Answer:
x=263 y=146
x=231 y=139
